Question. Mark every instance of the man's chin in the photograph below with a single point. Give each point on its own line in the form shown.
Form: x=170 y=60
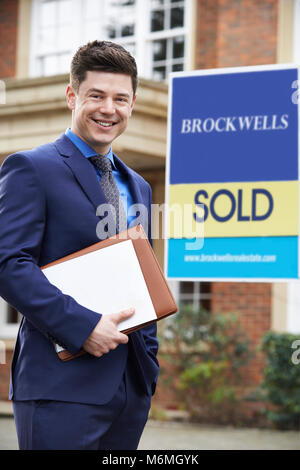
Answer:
x=101 y=146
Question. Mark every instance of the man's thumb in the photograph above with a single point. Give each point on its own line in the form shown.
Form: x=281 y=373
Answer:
x=123 y=315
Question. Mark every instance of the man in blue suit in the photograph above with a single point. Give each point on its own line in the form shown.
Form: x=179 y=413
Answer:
x=49 y=198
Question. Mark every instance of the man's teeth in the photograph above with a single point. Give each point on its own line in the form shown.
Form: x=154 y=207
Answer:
x=105 y=124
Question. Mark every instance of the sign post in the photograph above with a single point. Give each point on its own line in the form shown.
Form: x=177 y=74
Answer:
x=233 y=163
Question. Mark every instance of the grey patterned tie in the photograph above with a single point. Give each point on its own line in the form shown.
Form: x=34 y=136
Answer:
x=110 y=189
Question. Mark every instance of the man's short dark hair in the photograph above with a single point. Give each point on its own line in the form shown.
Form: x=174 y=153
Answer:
x=103 y=56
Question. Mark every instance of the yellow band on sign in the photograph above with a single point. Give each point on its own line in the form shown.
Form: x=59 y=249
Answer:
x=236 y=209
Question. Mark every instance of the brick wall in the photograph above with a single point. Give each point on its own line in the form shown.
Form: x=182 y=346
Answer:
x=252 y=303
x=234 y=33
x=206 y=34
x=8 y=37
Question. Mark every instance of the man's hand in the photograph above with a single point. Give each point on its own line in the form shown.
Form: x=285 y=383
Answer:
x=105 y=335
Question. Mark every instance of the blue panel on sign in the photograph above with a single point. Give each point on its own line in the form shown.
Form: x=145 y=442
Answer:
x=234 y=127
x=253 y=257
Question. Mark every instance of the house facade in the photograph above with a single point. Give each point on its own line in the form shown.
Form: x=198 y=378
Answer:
x=37 y=41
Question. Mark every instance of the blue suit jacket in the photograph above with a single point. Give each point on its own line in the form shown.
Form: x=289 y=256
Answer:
x=48 y=201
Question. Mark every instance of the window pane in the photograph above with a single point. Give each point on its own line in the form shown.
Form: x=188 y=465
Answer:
x=121 y=29
x=157 y=20
x=206 y=295
x=118 y=4
x=177 y=68
x=111 y=32
x=12 y=315
x=159 y=50
x=91 y=9
x=50 y=65
x=64 y=63
x=119 y=19
x=177 y=18
x=130 y=47
x=178 y=47
x=91 y=31
x=64 y=39
x=186 y=287
x=48 y=13
x=127 y=30
x=47 y=40
x=159 y=73
x=64 y=8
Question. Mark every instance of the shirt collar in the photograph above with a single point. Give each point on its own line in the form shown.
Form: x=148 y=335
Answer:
x=85 y=148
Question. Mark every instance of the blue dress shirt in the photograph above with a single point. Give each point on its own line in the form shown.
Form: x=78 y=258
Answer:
x=121 y=180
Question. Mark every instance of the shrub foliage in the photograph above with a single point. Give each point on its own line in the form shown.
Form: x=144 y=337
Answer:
x=206 y=353
x=281 y=384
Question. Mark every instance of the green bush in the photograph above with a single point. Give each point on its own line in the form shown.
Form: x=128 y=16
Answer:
x=206 y=352
x=281 y=384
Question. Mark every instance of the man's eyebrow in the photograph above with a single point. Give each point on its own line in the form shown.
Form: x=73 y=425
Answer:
x=97 y=90
x=123 y=94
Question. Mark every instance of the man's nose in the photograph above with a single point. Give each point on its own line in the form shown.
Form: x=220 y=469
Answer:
x=107 y=106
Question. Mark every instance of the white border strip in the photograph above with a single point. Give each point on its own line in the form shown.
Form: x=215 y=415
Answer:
x=167 y=174
x=225 y=70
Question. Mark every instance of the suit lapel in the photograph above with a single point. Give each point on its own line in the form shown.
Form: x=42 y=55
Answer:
x=82 y=170
x=86 y=176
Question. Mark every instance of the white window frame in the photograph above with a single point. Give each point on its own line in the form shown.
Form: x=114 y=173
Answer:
x=142 y=37
x=193 y=298
x=77 y=31
x=145 y=40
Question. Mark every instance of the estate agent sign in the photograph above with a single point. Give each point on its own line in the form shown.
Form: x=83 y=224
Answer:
x=233 y=168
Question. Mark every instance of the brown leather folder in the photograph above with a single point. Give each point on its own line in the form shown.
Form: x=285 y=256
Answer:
x=159 y=291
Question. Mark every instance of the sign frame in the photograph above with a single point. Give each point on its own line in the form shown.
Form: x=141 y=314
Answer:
x=220 y=71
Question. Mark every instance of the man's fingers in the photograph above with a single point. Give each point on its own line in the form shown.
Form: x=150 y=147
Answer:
x=123 y=315
x=106 y=337
x=123 y=339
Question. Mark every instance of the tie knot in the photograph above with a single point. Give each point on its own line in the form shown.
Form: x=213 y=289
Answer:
x=102 y=162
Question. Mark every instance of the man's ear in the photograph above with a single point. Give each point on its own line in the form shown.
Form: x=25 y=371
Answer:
x=71 y=97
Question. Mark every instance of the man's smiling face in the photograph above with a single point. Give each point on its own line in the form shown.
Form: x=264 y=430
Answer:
x=101 y=108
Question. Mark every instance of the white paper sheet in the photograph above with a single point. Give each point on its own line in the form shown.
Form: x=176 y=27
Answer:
x=106 y=281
